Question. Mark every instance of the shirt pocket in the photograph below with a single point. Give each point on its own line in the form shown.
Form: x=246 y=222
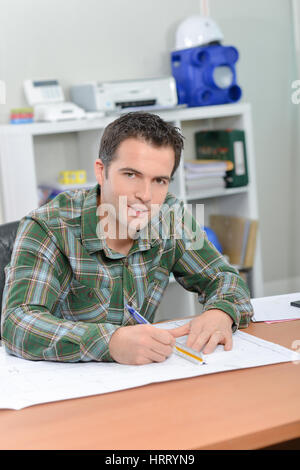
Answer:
x=85 y=303
x=155 y=291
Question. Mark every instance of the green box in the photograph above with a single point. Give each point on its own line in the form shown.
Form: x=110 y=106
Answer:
x=226 y=144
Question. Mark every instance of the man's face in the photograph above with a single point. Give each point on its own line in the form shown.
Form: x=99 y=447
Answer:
x=141 y=173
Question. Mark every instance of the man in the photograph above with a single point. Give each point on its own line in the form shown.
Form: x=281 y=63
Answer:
x=78 y=260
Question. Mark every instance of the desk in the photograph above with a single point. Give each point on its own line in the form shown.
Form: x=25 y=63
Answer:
x=241 y=409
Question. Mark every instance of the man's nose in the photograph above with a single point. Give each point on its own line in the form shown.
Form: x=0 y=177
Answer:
x=144 y=192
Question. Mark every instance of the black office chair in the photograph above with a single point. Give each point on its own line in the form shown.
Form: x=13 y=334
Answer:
x=7 y=240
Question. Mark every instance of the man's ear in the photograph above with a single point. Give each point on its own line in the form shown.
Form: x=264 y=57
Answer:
x=99 y=171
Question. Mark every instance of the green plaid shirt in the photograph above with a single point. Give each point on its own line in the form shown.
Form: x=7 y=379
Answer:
x=66 y=290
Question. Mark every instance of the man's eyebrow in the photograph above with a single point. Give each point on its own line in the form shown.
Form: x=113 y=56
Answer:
x=132 y=170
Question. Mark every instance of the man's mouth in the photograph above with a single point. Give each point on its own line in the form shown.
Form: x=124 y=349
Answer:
x=137 y=210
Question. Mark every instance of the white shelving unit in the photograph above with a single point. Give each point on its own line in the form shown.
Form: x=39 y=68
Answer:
x=31 y=154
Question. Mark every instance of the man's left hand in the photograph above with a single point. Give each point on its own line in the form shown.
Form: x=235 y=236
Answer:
x=207 y=330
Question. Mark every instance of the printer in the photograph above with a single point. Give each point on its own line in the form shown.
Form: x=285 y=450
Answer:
x=47 y=98
x=115 y=96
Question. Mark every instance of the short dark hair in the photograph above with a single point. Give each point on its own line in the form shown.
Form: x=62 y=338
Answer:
x=144 y=126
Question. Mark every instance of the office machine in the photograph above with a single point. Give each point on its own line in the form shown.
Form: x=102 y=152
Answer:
x=114 y=96
x=47 y=99
x=204 y=69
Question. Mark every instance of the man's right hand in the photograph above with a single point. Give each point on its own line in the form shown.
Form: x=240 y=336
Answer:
x=141 y=344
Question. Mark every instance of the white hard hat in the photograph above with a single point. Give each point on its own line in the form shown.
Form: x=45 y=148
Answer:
x=197 y=31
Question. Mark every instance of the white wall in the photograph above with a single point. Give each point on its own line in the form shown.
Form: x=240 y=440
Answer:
x=262 y=31
x=75 y=40
x=295 y=226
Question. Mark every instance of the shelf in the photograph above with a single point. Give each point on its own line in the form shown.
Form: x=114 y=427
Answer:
x=83 y=145
x=216 y=193
x=44 y=128
x=77 y=125
x=205 y=112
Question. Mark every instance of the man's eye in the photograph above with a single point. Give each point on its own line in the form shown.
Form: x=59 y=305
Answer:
x=130 y=175
x=161 y=181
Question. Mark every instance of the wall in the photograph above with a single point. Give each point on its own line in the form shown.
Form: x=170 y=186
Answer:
x=77 y=40
x=262 y=31
x=295 y=225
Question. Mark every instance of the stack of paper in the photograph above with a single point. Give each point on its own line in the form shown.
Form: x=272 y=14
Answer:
x=24 y=383
x=276 y=308
x=206 y=174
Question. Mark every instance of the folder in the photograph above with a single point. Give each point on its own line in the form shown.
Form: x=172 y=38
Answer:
x=228 y=144
x=237 y=236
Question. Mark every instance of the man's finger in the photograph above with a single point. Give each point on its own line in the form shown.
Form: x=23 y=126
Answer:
x=156 y=357
x=228 y=342
x=160 y=348
x=180 y=330
x=197 y=342
x=216 y=338
x=192 y=337
x=162 y=336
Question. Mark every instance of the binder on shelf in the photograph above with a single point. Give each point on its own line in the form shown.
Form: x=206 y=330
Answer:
x=237 y=236
x=229 y=145
x=251 y=244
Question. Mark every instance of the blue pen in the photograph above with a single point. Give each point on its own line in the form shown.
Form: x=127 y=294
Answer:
x=180 y=349
x=136 y=315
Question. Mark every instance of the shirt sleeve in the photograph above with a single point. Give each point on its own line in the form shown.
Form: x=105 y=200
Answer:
x=35 y=279
x=200 y=268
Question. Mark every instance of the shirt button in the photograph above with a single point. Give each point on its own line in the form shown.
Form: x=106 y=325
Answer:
x=126 y=262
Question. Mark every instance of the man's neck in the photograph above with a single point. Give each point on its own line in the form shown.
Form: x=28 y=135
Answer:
x=121 y=246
